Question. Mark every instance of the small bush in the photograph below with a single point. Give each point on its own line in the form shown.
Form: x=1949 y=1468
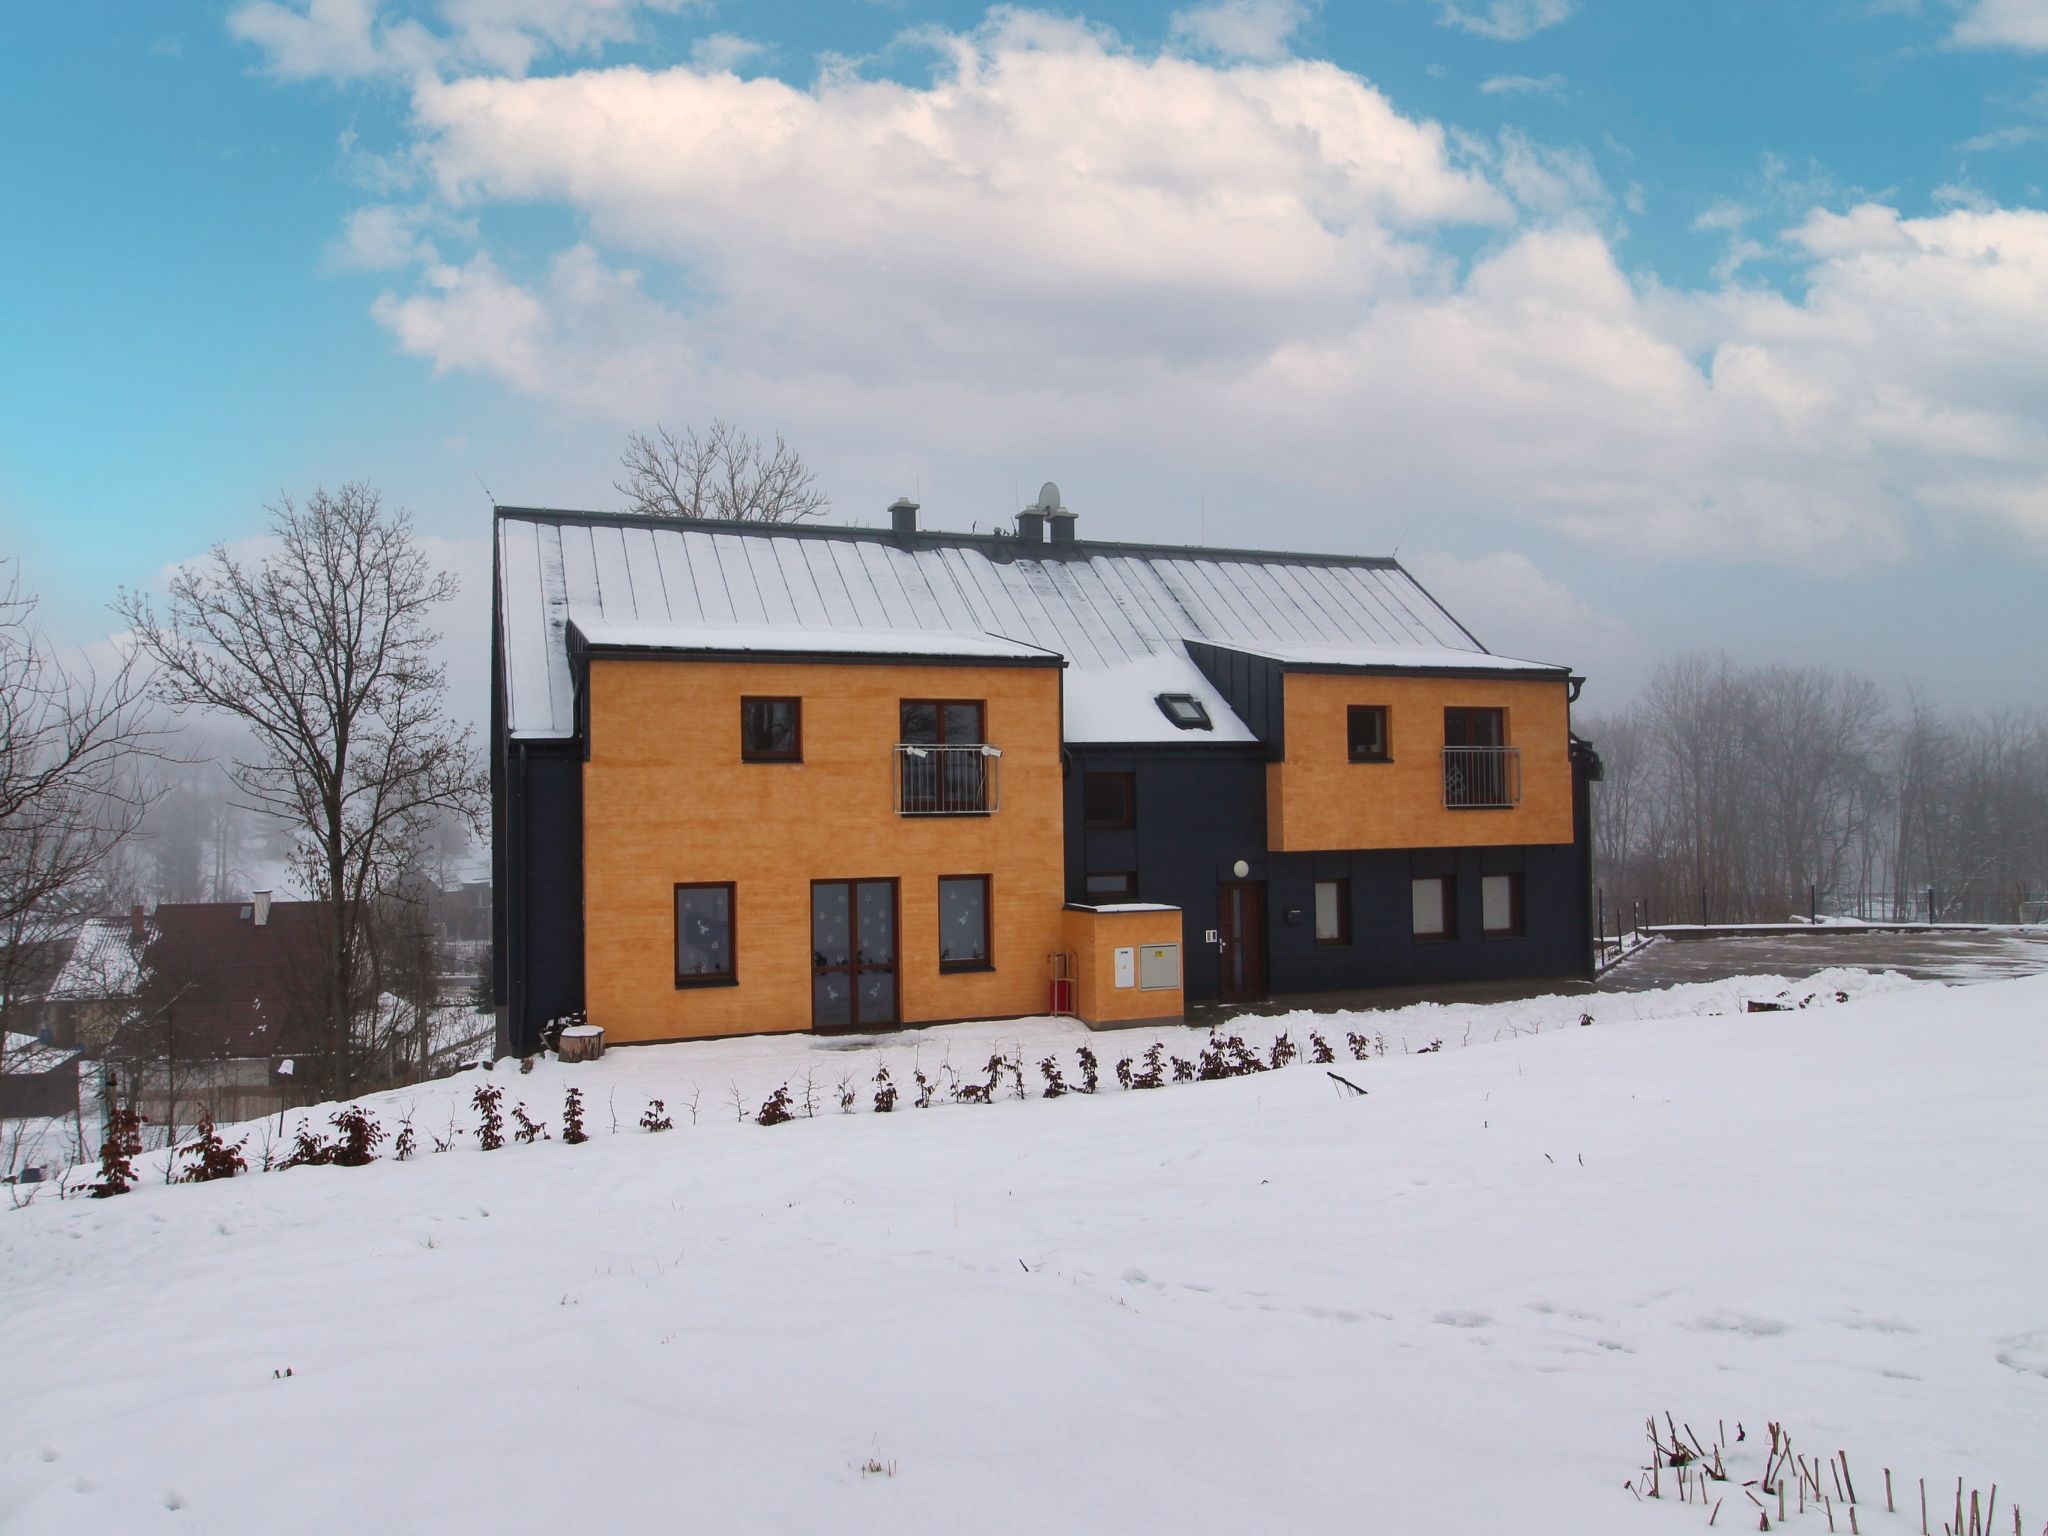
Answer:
x=1055 y=1084
x=1430 y=1049
x=406 y=1144
x=1090 y=1075
x=885 y=1091
x=210 y=1157
x=1123 y=1072
x=123 y=1144
x=356 y=1136
x=529 y=1129
x=572 y=1119
x=490 y=1131
x=775 y=1108
x=925 y=1085
x=1154 y=1073
x=1319 y=1050
x=655 y=1117
x=1283 y=1052
x=1183 y=1070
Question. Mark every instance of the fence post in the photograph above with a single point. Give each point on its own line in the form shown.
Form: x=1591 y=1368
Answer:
x=1930 y=906
x=1813 y=902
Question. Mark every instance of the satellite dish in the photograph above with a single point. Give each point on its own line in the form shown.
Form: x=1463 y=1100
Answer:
x=1048 y=497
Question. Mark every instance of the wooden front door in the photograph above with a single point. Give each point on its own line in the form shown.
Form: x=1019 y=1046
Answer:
x=1241 y=928
x=853 y=954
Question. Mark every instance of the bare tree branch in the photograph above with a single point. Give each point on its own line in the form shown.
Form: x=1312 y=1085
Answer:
x=722 y=473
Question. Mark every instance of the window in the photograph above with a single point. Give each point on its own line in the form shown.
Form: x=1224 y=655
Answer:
x=1184 y=710
x=1367 y=730
x=1436 y=914
x=704 y=943
x=1109 y=799
x=1333 y=911
x=1122 y=886
x=1500 y=905
x=1475 y=727
x=963 y=923
x=771 y=730
x=942 y=722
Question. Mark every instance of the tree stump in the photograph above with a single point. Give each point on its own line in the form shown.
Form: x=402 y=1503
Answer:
x=582 y=1042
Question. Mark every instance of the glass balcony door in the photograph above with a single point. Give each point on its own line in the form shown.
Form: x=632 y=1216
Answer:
x=853 y=954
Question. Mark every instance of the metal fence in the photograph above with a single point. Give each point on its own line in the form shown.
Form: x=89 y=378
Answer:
x=1482 y=778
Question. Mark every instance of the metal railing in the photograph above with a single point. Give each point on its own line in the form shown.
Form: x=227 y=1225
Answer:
x=1482 y=778
x=947 y=781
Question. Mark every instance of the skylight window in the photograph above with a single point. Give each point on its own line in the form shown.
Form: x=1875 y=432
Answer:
x=1184 y=710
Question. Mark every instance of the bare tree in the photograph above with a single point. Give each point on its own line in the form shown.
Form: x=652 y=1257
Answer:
x=324 y=651
x=722 y=473
x=71 y=741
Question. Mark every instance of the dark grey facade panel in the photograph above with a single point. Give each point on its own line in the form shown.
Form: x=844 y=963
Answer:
x=1253 y=686
x=539 y=911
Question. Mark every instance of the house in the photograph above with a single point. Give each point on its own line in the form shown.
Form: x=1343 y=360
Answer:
x=96 y=987
x=764 y=777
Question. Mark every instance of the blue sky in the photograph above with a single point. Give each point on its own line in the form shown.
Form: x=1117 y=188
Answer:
x=1637 y=328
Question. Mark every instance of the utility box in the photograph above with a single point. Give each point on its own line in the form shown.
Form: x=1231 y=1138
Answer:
x=1158 y=967
x=1126 y=967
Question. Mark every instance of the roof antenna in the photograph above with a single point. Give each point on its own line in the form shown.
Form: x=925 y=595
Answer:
x=1399 y=542
x=1205 y=519
x=487 y=490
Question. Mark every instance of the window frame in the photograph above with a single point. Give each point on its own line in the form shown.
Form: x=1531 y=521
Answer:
x=1448 y=884
x=1169 y=702
x=987 y=959
x=1129 y=781
x=1517 y=912
x=796 y=708
x=1128 y=876
x=1343 y=935
x=1386 y=733
x=939 y=708
x=730 y=976
x=1470 y=711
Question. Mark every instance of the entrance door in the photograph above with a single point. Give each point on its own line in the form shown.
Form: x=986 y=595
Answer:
x=1241 y=926
x=853 y=954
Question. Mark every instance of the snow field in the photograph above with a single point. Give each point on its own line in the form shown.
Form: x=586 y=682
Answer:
x=1259 y=1304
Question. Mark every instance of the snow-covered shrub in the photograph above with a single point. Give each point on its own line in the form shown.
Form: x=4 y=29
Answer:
x=1283 y=1052
x=655 y=1117
x=572 y=1118
x=356 y=1136
x=775 y=1108
x=490 y=1130
x=1319 y=1050
x=1430 y=1049
x=1154 y=1073
x=1183 y=1070
x=529 y=1129
x=1227 y=1056
x=210 y=1157
x=885 y=1091
x=1055 y=1084
x=925 y=1085
x=1123 y=1072
x=407 y=1143
x=1090 y=1073
x=123 y=1143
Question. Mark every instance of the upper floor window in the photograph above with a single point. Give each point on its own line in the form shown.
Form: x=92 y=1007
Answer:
x=1184 y=710
x=1120 y=885
x=1110 y=799
x=772 y=730
x=942 y=722
x=1366 y=731
x=1475 y=727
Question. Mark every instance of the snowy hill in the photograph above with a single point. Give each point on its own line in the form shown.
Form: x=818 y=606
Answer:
x=1262 y=1304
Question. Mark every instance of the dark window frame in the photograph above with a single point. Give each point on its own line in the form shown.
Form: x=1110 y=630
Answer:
x=1386 y=733
x=987 y=959
x=1130 y=788
x=1468 y=711
x=1198 y=717
x=796 y=708
x=1449 y=933
x=855 y=966
x=1517 y=926
x=939 y=708
x=730 y=976
x=1343 y=934
x=1128 y=876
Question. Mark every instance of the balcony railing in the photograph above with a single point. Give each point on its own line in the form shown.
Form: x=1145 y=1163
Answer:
x=947 y=781
x=1482 y=778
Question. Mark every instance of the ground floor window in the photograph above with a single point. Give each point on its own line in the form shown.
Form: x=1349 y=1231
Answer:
x=704 y=934
x=1436 y=915
x=963 y=922
x=1333 y=911
x=1500 y=905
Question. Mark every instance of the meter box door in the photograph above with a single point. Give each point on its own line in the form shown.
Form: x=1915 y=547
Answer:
x=1158 y=967
x=1127 y=967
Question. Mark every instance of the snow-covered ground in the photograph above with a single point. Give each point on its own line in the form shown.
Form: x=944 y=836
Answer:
x=1264 y=1304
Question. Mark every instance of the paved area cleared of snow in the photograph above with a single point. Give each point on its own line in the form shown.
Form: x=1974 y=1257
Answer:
x=1265 y=1304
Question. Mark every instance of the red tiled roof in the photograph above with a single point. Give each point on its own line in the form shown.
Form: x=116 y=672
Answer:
x=223 y=985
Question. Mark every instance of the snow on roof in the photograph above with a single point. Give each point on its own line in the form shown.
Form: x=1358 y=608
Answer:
x=30 y=1057
x=105 y=962
x=770 y=641
x=1119 y=614
x=1420 y=657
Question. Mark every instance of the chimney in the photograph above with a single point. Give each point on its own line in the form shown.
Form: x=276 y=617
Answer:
x=1031 y=525
x=137 y=928
x=903 y=515
x=1062 y=522
x=259 y=907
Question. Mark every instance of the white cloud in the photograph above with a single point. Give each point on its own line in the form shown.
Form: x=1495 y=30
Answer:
x=1506 y=21
x=1523 y=85
x=1180 y=278
x=356 y=39
x=1241 y=29
x=1517 y=610
x=724 y=52
x=380 y=238
x=2014 y=137
x=2019 y=24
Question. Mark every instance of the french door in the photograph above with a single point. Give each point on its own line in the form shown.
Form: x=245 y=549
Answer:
x=853 y=954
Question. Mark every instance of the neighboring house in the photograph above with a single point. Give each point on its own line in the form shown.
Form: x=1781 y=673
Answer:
x=96 y=989
x=37 y=1080
x=751 y=778
x=228 y=1012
